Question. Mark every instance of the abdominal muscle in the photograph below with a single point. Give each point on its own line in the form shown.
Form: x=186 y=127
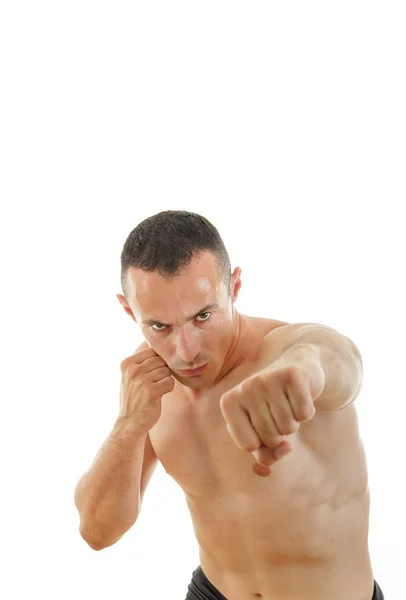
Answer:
x=250 y=547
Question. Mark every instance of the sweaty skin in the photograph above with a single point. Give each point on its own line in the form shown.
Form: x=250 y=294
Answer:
x=298 y=533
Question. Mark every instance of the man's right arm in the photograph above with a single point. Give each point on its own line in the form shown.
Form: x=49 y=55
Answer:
x=108 y=495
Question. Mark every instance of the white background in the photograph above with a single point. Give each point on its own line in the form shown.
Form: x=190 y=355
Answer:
x=284 y=126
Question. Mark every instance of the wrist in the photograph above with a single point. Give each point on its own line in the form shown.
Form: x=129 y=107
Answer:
x=128 y=425
x=307 y=357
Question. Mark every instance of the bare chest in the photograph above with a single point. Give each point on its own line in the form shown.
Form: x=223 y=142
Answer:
x=196 y=450
x=283 y=515
x=193 y=445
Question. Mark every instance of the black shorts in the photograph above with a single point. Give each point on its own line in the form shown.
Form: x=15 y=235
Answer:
x=200 y=588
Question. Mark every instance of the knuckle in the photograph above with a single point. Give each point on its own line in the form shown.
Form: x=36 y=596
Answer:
x=303 y=405
x=257 y=402
x=292 y=374
x=132 y=370
x=308 y=411
x=289 y=427
x=294 y=426
x=271 y=438
x=285 y=418
x=263 y=380
x=254 y=388
x=304 y=410
x=228 y=400
x=268 y=433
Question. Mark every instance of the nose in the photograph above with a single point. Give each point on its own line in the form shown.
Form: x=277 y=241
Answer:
x=188 y=346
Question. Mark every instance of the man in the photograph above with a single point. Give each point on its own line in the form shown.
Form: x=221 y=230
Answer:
x=263 y=438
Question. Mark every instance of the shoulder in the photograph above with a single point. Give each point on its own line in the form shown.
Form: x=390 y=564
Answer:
x=275 y=340
x=258 y=329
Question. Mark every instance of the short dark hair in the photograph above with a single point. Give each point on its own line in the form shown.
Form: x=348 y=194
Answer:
x=168 y=241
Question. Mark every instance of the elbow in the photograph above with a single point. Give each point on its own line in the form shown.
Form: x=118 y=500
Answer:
x=96 y=545
x=90 y=541
x=93 y=547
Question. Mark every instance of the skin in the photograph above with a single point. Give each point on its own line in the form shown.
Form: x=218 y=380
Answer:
x=300 y=532
x=210 y=338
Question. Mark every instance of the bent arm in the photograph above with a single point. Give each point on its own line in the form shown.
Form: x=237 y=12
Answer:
x=108 y=495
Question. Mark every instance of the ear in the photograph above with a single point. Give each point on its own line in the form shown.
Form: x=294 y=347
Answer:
x=235 y=284
x=124 y=304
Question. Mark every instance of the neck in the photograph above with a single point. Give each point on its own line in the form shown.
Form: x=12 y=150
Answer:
x=236 y=349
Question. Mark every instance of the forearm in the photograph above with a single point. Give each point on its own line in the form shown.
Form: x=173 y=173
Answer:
x=108 y=495
x=339 y=358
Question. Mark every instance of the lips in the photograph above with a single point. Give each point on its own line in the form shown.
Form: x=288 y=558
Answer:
x=195 y=371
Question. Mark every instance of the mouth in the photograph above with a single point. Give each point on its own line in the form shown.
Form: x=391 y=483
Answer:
x=191 y=372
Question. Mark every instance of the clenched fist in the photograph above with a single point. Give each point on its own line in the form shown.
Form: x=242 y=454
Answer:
x=269 y=405
x=145 y=379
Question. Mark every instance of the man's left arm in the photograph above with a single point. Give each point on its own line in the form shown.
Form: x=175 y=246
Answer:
x=338 y=356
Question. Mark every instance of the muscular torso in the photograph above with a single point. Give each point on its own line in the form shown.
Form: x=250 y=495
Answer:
x=301 y=532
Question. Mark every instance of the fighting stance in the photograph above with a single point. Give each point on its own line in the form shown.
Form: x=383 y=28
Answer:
x=254 y=418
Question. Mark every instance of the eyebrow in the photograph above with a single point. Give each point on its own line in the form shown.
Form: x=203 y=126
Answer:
x=191 y=318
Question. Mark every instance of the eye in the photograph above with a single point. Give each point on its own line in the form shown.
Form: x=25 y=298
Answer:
x=157 y=325
x=205 y=313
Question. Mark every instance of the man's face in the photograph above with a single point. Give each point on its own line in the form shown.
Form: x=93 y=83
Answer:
x=188 y=320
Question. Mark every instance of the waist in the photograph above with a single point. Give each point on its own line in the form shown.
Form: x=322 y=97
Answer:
x=293 y=580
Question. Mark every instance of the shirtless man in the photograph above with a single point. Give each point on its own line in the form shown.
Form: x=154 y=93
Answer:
x=287 y=526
